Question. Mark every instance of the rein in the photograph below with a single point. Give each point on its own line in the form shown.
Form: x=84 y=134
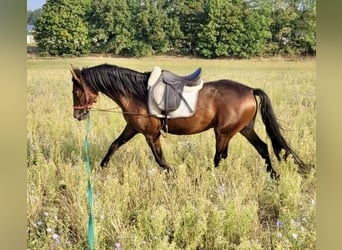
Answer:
x=114 y=110
x=89 y=189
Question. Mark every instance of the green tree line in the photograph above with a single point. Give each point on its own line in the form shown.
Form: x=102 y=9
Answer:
x=208 y=28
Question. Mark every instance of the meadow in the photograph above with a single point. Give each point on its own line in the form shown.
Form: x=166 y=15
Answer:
x=137 y=206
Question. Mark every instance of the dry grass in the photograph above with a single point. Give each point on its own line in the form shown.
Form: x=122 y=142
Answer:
x=136 y=206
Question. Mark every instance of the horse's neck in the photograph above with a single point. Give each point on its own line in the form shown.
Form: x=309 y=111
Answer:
x=127 y=103
x=131 y=105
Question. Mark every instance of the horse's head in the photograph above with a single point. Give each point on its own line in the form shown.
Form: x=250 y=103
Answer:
x=83 y=97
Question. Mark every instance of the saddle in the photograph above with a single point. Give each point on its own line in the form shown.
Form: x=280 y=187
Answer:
x=171 y=95
x=189 y=80
x=167 y=90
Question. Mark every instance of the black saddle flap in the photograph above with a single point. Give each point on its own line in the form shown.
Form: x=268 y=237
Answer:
x=172 y=96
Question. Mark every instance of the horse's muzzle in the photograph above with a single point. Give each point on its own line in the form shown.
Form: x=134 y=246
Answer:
x=81 y=115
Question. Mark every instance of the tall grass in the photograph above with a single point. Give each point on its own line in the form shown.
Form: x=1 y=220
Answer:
x=136 y=206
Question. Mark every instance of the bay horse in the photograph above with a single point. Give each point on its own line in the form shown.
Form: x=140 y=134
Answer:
x=226 y=106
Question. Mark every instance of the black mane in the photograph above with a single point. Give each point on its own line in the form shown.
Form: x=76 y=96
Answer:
x=113 y=81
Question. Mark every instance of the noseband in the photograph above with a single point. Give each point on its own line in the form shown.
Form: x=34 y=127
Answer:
x=84 y=107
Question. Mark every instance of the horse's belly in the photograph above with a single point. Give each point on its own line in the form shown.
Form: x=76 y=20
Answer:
x=197 y=123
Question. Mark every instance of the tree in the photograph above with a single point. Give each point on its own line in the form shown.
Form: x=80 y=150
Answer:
x=210 y=28
x=150 y=23
x=61 y=29
x=293 y=27
x=136 y=27
x=110 y=26
x=234 y=28
x=305 y=27
x=33 y=15
x=257 y=20
x=191 y=15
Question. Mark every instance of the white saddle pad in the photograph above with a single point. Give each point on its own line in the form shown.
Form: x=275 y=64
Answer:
x=188 y=103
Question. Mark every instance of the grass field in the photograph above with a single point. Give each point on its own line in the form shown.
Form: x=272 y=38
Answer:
x=236 y=206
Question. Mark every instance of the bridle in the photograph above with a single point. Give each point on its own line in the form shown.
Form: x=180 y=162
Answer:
x=88 y=96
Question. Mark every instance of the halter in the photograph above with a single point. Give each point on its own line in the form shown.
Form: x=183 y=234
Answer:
x=85 y=107
x=88 y=95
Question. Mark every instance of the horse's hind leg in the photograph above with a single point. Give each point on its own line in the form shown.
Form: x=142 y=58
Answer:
x=249 y=133
x=222 y=142
x=127 y=134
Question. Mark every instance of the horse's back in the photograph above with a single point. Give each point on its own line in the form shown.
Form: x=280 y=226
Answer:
x=230 y=87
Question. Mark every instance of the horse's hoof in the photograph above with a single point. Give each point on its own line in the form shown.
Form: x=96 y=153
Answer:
x=168 y=171
x=275 y=176
x=104 y=164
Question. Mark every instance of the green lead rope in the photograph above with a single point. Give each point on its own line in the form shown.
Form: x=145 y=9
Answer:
x=90 y=192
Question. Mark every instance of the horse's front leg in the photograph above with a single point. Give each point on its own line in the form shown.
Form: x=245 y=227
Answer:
x=155 y=145
x=127 y=134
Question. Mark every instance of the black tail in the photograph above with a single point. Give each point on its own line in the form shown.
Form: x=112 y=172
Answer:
x=273 y=128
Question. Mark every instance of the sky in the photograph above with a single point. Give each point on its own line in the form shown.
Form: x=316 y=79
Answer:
x=35 y=4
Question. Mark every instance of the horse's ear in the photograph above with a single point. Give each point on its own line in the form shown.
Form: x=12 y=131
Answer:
x=73 y=73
